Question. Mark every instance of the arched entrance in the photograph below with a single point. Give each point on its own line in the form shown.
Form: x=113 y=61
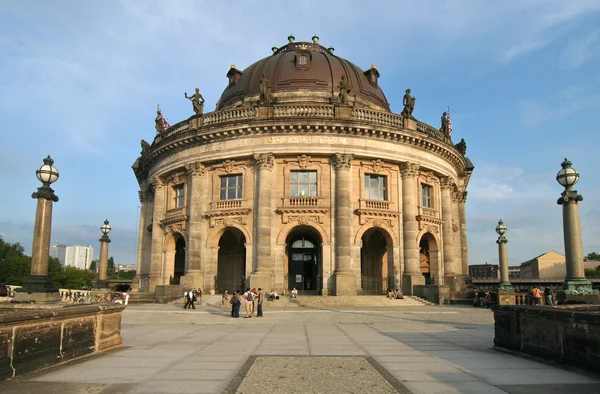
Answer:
x=179 y=268
x=231 y=263
x=428 y=257
x=376 y=269
x=304 y=261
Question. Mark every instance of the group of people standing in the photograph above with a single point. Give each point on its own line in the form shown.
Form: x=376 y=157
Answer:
x=250 y=298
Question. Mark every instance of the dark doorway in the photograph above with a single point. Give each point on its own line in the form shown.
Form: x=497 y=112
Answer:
x=425 y=261
x=231 y=265
x=374 y=263
x=303 y=269
x=179 y=269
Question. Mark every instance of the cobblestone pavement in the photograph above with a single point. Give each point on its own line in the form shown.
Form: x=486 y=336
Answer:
x=426 y=349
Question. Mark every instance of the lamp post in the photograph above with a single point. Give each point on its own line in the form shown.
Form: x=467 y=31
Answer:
x=39 y=287
x=503 y=257
x=103 y=268
x=575 y=283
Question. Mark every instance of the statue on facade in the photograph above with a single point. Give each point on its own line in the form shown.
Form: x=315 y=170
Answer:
x=409 y=104
x=145 y=146
x=197 y=101
x=444 y=129
x=461 y=146
x=266 y=97
x=160 y=121
x=345 y=89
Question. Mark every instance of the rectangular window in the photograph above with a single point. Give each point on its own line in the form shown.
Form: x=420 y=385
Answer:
x=426 y=196
x=179 y=197
x=231 y=187
x=375 y=187
x=303 y=184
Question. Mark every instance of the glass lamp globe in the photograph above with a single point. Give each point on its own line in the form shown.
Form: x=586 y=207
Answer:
x=47 y=174
x=568 y=176
x=501 y=228
x=105 y=228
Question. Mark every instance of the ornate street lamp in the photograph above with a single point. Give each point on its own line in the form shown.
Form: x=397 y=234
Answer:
x=575 y=283
x=505 y=284
x=39 y=286
x=103 y=266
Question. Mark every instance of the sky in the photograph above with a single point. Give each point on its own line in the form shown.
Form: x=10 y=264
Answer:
x=80 y=80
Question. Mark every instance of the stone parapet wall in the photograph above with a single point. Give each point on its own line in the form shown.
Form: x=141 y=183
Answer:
x=567 y=334
x=34 y=337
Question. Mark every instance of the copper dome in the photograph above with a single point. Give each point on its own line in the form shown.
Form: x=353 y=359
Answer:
x=303 y=72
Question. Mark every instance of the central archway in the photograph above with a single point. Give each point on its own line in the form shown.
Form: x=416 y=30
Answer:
x=231 y=263
x=376 y=264
x=304 y=261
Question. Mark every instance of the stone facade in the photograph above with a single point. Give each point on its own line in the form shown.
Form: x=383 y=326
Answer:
x=330 y=198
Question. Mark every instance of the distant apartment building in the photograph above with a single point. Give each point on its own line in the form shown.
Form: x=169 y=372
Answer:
x=59 y=251
x=481 y=271
x=514 y=272
x=79 y=256
x=549 y=265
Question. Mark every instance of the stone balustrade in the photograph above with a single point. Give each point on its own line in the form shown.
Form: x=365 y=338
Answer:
x=429 y=212
x=301 y=202
x=175 y=212
x=380 y=117
x=375 y=204
x=226 y=204
x=303 y=111
x=229 y=115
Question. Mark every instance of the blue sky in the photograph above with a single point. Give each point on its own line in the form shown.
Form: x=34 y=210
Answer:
x=80 y=80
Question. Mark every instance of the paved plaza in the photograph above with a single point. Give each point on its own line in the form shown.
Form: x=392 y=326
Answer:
x=406 y=349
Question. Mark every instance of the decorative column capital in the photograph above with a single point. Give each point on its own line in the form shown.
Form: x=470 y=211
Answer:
x=408 y=169
x=445 y=183
x=144 y=195
x=342 y=161
x=195 y=169
x=156 y=182
x=501 y=240
x=264 y=161
x=104 y=238
x=46 y=193
x=462 y=198
x=569 y=195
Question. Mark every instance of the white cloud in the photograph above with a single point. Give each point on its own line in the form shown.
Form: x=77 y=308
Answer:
x=579 y=50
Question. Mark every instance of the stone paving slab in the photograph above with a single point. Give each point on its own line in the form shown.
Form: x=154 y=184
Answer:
x=428 y=350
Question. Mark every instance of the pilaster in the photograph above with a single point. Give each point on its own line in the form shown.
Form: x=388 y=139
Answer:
x=412 y=271
x=157 y=233
x=345 y=279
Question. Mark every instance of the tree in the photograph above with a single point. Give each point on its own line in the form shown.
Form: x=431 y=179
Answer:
x=93 y=266
x=111 y=265
x=593 y=256
x=15 y=266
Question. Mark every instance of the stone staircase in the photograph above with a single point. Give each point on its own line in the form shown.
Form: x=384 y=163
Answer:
x=358 y=301
x=141 y=298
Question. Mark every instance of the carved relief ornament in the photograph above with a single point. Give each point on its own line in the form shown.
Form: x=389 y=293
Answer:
x=176 y=178
x=144 y=195
x=377 y=165
x=156 y=182
x=303 y=161
x=179 y=228
x=264 y=160
x=342 y=161
x=408 y=169
x=195 y=169
x=429 y=177
x=229 y=166
x=445 y=182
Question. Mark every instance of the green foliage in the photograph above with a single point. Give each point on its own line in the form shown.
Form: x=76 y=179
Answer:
x=111 y=265
x=15 y=266
x=593 y=273
x=593 y=256
x=127 y=275
x=73 y=278
x=93 y=266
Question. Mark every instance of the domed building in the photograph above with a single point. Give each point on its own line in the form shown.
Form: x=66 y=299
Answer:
x=302 y=178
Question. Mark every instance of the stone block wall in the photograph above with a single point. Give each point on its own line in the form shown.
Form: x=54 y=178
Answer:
x=33 y=338
x=566 y=334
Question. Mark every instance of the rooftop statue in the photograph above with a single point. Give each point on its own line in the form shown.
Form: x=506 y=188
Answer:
x=265 y=90
x=345 y=89
x=145 y=146
x=197 y=101
x=461 y=146
x=409 y=104
x=444 y=129
x=161 y=122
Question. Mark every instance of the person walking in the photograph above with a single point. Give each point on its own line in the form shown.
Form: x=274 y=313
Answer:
x=261 y=298
x=224 y=299
x=249 y=297
x=548 y=295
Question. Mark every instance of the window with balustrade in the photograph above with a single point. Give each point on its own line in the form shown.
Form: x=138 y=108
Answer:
x=231 y=187
x=375 y=187
x=426 y=196
x=303 y=184
x=179 y=196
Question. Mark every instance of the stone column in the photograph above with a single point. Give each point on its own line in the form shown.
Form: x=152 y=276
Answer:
x=39 y=286
x=575 y=283
x=462 y=220
x=156 y=259
x=345 y=279
x=262 y=276
x=194 y=275
x=503 y=260
x=456 y=234
x=136 y=284
x=103 y=262
x=412 y=270
x=448 y=251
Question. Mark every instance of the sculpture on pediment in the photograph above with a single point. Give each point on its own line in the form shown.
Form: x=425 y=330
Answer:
x=161 y=123
x=445 y=129
x=197 y=101
x=461 y=146
x=409 y=104
x=145 y=146
x=345 y=89
x=266 y=96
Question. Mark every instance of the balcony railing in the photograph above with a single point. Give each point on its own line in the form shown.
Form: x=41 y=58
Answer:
x=429 y=212
x=226 y=204
x=304 y=111
x=175 y=212
x=375 y=204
